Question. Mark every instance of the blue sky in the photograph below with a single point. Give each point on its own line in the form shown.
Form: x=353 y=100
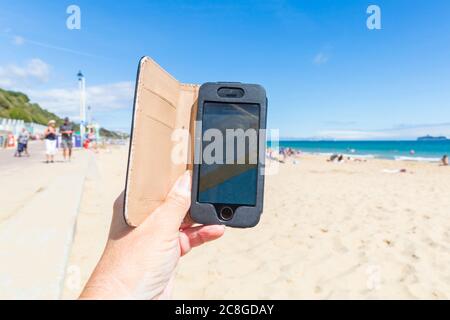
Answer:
x=325 y=72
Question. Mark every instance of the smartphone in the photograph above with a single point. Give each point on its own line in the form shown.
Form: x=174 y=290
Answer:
x=230 y=144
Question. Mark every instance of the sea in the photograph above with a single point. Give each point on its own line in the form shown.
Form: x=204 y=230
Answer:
x=431 y=151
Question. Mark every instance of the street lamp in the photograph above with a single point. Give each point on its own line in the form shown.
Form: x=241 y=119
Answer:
x=89 y=115
x=82 y=86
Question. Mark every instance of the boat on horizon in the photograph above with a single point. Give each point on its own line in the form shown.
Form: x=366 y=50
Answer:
x=431 y=138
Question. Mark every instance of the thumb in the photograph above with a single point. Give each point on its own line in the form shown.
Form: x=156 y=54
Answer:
x=178 y=201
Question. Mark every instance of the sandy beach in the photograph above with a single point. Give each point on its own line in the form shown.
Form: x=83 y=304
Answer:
x=329 y=231
x=348 y=103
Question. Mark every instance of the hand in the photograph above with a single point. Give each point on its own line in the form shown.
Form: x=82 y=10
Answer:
x=140 y=263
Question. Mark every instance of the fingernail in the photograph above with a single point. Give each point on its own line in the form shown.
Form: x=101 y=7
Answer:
x=219 y=227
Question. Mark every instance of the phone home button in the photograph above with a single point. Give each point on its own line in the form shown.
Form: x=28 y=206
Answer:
x=226 y=213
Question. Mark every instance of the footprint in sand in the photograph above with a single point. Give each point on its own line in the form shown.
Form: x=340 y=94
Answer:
x=338 y=246
x=430 y=242
x=388 y=242
x=408 y=275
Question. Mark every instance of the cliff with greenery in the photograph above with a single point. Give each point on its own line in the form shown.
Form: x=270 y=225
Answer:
x=17 y=105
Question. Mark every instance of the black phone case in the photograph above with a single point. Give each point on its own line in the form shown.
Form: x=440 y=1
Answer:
x=244 y=216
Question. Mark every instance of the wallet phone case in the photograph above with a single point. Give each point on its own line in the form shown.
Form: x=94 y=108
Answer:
x=162 y=104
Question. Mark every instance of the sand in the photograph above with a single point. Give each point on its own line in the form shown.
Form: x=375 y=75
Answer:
x=329 y=231
x=104 y=181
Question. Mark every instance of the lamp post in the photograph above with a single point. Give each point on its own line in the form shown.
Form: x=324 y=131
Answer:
x=89 y=115
x=82 y=86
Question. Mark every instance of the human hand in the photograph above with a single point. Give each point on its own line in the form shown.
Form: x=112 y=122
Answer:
x=140 y=263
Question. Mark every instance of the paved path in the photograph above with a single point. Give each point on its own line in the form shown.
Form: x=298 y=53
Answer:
x=9 y=162
x=38 y=210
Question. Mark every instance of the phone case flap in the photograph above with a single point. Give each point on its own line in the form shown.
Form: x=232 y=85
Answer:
x=162 y=106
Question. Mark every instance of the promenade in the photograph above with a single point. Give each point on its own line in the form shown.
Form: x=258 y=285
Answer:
x=39 y=205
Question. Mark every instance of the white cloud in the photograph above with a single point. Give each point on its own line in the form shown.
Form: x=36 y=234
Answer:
x=321 y=58
x=34 y=70
x=102 y=98
x=18 y=40
x=5 y=83
x=38 y=69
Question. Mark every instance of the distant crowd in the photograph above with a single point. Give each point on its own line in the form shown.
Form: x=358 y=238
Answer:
x=66 y=131
x=283 y=154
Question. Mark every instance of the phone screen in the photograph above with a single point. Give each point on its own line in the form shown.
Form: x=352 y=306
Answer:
x=229 y=167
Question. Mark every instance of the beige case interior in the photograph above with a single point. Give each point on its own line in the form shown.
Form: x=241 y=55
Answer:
x=162 y=104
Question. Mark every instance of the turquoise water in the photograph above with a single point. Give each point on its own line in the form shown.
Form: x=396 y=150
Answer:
x=400 y=150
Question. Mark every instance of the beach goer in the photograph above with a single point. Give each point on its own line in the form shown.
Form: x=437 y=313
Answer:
x=25 y=140
x=22 y=145
x=92 y=139
x=139 y=263
x=282 y=155
x=333 y=158
x=50 y=141
x=66 y=131
x=444 y=160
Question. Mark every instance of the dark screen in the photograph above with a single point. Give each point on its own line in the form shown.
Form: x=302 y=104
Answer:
x=233 y=180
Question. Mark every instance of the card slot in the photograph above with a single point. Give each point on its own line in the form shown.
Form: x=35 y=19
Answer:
x=158 y=109
x=159 y=81
x=152 y=155
x=159 y=121
x=159 y=96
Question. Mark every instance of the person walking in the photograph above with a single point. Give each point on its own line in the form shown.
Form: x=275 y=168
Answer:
x=50 y=141
x=22 y=145
x=66 y=131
